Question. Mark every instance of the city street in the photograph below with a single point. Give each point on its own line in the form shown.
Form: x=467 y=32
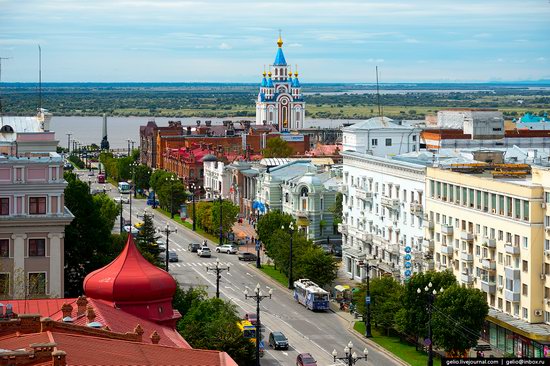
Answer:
x=316 y=333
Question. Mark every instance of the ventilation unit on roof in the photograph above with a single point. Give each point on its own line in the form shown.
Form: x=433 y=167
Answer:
x=68 y=319
x=96 y=325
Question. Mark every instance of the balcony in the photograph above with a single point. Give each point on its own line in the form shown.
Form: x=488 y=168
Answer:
x=466 y=279
x=512 y=296
x=488 y=264
x=428 y=244
x=512 y=273
x=490 y=242
x=416 y=209
x=447 y=250
x=466 y=236
x=466 y=257
x=488 y=286
x=343 y=229
x=366 y=237
x=343 y=189
x=428 y=224
x=511 y=249
x=446 y=229
x=363 y=195
x=390 y=203
x=430 y=265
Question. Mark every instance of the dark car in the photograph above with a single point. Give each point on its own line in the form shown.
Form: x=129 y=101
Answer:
x=247 y=256
x=193 y=247
x=68 y=166
x=251 y=317
x=305 y=359
x=277 y=340
x=172 y=256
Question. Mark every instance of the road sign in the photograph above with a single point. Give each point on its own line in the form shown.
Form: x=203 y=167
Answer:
x=258 y=246
x=367 y=300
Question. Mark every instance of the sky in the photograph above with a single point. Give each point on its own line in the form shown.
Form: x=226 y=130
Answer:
x=232 y=40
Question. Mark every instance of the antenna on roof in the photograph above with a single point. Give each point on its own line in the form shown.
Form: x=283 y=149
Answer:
x=378 y=94
x=39 y=78
x=1 y=109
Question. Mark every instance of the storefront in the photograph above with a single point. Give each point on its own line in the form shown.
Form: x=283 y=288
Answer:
x=509 y=335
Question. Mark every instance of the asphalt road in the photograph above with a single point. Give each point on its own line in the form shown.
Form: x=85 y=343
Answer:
x=317 y=333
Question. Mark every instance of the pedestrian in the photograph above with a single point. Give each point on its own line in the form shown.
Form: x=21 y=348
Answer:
x=205 y=243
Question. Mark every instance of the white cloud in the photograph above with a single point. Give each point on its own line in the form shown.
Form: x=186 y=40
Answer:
x=541 y=59
x=225 y=46
x=295 y=45
x=411 y=40
x=375 y=60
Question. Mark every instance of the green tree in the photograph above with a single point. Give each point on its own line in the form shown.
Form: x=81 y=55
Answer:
x=279 y=251
x=147 y=236
x=229 y=215
x=204 y=216
x=212 y=324
x=143 y=176
x=108 y=209
x=457 y=318
x=277 y=148
x=183 y=299
x=316 y=265
x=124 y=168
x=171 y=195
x=158 y=179
x=271 y=222
x=337 y=208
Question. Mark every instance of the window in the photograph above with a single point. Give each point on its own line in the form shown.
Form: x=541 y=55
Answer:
x=37 y=247
x=414 y=137
x=286 y=197
x=4 y=206
x=374 y=142
x=524 y=289
x=525 y=313
x=509 y=206
x=478 y=200
x=37 y=205
x=525 y=242
x=388 y=142
x=37 y=283
x=4 y=283
x=525 y=266
x=4 y=247
x=526 y=210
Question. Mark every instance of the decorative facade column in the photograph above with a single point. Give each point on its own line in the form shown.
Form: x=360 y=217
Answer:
x=56 y=279
x=19 y=276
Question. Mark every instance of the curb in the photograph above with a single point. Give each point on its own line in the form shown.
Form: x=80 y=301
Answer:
x=377 y=346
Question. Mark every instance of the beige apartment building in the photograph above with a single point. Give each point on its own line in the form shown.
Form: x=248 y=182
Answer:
x=490 y=226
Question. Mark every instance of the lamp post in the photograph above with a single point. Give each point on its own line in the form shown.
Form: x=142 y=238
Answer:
x=134 y=166
x=218 y=270
x=129 y=146
x=291 y=231
x=121 y=218
x=167 y=230
x=350 y=357
x=430 y=294
x=258 y=247
x=172 y=179
x=192 y=189
x=90 y=184
x=367 y=266
x=220 y=200
x=258 y=297
x=69 y=134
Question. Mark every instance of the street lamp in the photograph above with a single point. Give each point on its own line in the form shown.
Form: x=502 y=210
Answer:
x=430 y=294
x=167 y=230
x=220 y=200
x=291 y=231
x=172 y=179
x=258 y=297
x=367 y=266
x=192 y=189
x=121 y=218
x=350 y=358
x=218 y=271
x=133 y=166
x=90 y=184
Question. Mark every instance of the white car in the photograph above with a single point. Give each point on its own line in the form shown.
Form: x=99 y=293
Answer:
x=204 y=252
x=227 y=248
x=131 y=229
x=122 y=200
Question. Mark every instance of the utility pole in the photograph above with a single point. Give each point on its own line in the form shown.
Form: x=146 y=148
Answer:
x=69 y=134
x=167 y=230
x=258 y=297
x=218 y=270
x=221 y=219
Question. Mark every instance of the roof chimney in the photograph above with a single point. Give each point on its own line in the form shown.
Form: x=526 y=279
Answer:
x=139 y=331
x=81 y=303
x=67 y=310
x=188 y=130
x=155 y=337
x=208 y=123
x=90 y=313
x=59 y=358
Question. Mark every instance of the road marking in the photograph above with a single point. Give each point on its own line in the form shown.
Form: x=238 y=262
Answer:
x=229 y=274
x=194 y=264
x=248 y=274
x=177 y=264
x=285 y=353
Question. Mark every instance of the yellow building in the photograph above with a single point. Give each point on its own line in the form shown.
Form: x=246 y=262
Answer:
x=490 y=226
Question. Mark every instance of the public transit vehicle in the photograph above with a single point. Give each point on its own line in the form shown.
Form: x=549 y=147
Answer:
x=309 y=294
x=123 y=187
x=249 y=332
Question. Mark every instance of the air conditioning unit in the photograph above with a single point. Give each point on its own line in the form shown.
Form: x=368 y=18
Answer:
x=548 y=302
x=475 y=279
x=543 y=205
x=500 y=287
x=542 y=276
x=538 y=312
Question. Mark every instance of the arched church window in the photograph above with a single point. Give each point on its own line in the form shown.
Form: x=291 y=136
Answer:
x=304 y=192
x=275 y=71
x=286 y=197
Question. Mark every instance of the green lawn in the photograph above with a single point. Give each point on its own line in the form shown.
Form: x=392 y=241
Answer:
x=189 y=225
x=401 y=349
x=275 y=274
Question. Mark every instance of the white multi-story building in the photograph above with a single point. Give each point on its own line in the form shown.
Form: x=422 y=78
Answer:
x=380 y=136
x=383 y=204
x=216 y=177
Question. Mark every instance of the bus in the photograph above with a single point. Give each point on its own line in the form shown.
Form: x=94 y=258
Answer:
x=249 y=332
x=123 y=187
x=310 y=295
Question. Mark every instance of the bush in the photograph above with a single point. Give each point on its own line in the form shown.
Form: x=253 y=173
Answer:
x=76 y=161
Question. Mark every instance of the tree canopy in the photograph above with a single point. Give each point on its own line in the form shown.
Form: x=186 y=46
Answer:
x=277 y=148
x=171 y=195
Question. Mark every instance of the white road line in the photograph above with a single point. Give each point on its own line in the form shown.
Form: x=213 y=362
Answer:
x=229 y=274
x=194 y=264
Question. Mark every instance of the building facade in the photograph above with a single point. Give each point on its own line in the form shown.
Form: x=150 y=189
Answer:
x=280 y=101
x=32 y=225
x=380 y=136
x=488 y=227
x=383 y=203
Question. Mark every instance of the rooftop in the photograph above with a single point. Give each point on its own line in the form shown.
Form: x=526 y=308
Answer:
x=376 y=123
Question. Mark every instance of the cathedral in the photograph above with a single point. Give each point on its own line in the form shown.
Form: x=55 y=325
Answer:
x=280 y=100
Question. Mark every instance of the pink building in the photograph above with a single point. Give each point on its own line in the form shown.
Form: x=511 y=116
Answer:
x=32 y=225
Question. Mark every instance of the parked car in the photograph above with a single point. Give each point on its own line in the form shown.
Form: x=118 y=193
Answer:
x=227 y=248
x=68 y=166
x=246 y=256
x=204 y=252
x=123 y=199
x=251 y=317
x=193 y=247
x=172 y=256
x=305 y=359
x=277 y=340
x=131 y=229
x=161 y=245
x=95 y=192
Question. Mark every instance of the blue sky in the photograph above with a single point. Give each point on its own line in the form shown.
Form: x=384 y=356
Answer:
x=230 y=41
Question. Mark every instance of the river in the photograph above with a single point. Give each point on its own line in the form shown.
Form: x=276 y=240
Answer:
x=87 y=130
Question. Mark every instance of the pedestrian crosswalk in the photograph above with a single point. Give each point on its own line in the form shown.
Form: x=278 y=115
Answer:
x=197 y=264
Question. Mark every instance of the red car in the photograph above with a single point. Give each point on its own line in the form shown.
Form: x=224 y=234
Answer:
x=305 y=359
x=251 y=317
